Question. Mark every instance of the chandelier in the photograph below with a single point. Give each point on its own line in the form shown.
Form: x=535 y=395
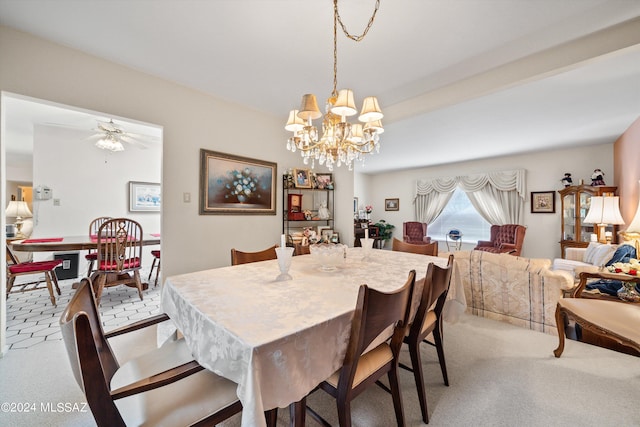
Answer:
x=341 y=142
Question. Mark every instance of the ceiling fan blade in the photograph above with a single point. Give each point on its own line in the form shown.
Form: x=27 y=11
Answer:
x=127 y=139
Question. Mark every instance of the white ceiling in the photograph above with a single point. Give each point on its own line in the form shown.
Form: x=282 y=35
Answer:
x=457 y=79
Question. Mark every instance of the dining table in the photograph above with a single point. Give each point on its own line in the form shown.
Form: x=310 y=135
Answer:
x=279 y=339
x=69 y=243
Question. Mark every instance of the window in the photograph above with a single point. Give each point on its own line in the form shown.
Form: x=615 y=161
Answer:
x=461 y=215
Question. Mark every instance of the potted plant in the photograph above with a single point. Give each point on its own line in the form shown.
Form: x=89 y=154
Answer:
x=384 y=230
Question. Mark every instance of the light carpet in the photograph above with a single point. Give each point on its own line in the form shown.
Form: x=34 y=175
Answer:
x=500 y=375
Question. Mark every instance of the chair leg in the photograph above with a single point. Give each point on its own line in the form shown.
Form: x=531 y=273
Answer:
x=157 y=273
x=55 y=281
x=47 y=277
x=10 y=283
x=397 y=397
x=344 y=412
x=416 y=363
x=437 y=336
x=90 y=268
x=560 y=321
x=153 y=264
x=136 y=276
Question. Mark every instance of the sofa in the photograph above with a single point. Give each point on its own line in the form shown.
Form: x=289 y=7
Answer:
x=593 y=258
x=520 y=291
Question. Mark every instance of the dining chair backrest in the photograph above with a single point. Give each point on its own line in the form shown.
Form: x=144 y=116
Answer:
x=119 y=245
x=240 y=257
x=92 y=360
x=434 y=292
x=424 y=249
x=375 y=313
x=94 y=226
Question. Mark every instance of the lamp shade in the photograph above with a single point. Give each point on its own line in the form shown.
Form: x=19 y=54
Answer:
x=370 y=110
x=18 y=209
x=309 y=107
x=345 y=104
x=375 y=126
x=294 y=123
x=604 y=210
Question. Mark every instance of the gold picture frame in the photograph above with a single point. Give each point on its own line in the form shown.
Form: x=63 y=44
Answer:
x=302 y=178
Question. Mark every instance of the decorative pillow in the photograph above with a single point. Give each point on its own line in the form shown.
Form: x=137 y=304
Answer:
x=591 y=249
x=603 y=254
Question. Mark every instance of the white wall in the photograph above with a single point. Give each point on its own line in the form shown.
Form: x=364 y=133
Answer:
x=544 y=171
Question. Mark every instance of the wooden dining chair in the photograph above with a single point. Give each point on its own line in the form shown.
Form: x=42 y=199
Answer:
x=428 y=319
x=378 y=317
x=240 y=257
x=156 y=257
x=46 y=268
x=92 y=254
x=162 y=387
x=119 y=255
x=424 y=249
x=301 y=249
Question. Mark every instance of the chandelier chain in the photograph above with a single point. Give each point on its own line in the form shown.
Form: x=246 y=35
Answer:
x=344 y=28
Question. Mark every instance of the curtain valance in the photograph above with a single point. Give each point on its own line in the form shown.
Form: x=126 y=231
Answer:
x=503 y=180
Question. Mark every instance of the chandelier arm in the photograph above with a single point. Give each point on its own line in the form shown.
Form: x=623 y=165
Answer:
x=344 y=28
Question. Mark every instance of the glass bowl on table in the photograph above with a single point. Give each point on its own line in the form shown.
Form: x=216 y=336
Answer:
x=329 y=256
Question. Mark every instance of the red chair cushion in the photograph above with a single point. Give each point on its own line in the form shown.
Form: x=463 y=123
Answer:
x=112 y=265
x=34 y=267
x=156 y=253
x=92 y=256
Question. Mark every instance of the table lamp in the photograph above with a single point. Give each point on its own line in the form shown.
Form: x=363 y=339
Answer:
x=604 y=211
x=19 y=210
x=632 y=233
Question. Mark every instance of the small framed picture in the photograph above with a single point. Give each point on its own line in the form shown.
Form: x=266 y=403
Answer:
x=322 y=228
x=543 y=202
x=355 y=205
x=324 y=181
x=301 y=178
x=391 y=204
x=144 y=196
x=326 y=234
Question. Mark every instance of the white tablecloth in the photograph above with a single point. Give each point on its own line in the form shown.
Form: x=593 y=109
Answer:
x=278 y=340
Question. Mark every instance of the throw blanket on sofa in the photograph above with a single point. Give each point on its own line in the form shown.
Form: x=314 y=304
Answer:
x=610 y=287
x=516 y=290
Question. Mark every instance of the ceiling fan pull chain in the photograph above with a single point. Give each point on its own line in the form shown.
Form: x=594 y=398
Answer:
x=366 y=30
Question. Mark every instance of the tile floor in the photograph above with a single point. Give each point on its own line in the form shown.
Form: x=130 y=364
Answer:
x=32 y=319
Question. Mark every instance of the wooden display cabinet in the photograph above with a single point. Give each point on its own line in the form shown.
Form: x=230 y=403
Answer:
x=576 y=201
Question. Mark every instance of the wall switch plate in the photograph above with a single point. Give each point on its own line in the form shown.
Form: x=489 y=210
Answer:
x=56 y=202
x=186 y=197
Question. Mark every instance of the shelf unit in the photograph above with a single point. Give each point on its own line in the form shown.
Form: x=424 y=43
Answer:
x=297 y=200
x=576 y=201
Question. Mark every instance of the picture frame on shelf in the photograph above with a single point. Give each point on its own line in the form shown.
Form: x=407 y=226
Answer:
x=301 y=178
x=391 y=204
x=543 y=202
x=231 y=184
x=324 y=181
x=144 y=196
x=322 y=228
x=326 y=234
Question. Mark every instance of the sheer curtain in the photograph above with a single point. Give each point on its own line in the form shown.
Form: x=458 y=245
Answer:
x=499 y=197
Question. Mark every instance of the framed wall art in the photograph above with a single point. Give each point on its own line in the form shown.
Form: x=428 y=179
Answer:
x=324 y=181
x=232 y=184
x=543 y=202
x=144 y=196
x=391 y=204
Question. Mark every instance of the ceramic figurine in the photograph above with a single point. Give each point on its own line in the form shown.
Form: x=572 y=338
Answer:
x=567 y=181
x=597 y=178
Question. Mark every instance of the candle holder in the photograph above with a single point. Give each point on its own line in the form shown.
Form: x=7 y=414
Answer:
x=284 y=255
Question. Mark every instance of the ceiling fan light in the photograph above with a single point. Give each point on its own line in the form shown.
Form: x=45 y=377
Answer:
x=309 y=108
x=345 y=104
x=294 y=123
x=370 y=110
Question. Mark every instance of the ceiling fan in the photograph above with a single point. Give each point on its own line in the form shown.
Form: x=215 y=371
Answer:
x=111 y=136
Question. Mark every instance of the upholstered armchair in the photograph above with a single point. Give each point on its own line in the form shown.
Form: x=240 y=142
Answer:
x=506 y=238
x=415 y=233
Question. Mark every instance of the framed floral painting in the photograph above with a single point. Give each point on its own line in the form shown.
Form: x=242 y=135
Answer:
x=232 y=184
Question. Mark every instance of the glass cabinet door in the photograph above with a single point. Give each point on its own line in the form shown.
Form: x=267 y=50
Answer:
x=568 y=217
x=586 y=230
